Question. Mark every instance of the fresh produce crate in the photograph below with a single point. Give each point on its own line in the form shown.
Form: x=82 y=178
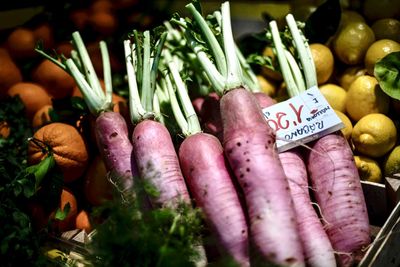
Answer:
x=384 y=211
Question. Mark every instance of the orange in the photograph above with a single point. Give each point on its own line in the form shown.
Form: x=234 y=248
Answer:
x=68 y=147
x=82 y=221
x=57 y=82
x=97 y=188
x=32 y=95
x=104 y=23
x=10 y=74
x=21 y=43
x=41 y=117
x=44 y=33
x=79 y=18
x=4 y=129
x=67 y=196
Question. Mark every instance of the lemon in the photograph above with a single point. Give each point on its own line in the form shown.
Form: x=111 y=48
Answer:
x=267 y=72
x=349 y=74
x=352 y=41
x=349 y=16
x=374 y=135
x=365 y=96
x=335 y=95
x=266 y=85
x=348 y=126
x=391 y=163
x=387 y=28
x=379 y=9
x=368 y=169
x=378 y=50
x=323 y=61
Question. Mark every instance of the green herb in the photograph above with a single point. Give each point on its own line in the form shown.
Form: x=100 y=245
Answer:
x=20 y=243
x=387 y=72
x=133 y=237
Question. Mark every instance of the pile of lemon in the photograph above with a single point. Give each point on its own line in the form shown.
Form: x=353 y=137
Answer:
x=345 y=73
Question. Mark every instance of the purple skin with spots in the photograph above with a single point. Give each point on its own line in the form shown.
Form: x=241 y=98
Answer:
x=318 y=250
x=158 y=163
x=211 y=185
x=337 y=189
x=116 y=149
x=249 y=144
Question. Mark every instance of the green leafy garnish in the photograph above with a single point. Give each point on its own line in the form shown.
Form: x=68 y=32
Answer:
x=387 y=72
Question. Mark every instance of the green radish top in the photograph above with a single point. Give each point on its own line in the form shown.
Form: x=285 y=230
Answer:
x=212 y=42
x=142 y=67
x=294 y=56
x=173 y=82
x=80 y=67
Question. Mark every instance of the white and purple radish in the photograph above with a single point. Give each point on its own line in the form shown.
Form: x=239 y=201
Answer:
x=207 y=175
x=153 y=148
x=249 y=145
x=334 y=177
x=318 y=251
x=111 y=130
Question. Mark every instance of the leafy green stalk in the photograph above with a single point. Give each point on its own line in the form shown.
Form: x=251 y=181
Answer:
x=146 y=97
x=136 y=109
x=139 y=59
x=210 y=38
x=80 y=67
x=193 y=125
x=178 y=114
x=107 y=71
x=234 y=75
x=177 y=43
x=216 y=79
x=141 y=99
x=282 y=59
x=87 y=65
x=303 y=52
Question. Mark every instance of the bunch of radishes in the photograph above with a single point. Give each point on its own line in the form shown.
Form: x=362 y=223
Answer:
x=256 y=201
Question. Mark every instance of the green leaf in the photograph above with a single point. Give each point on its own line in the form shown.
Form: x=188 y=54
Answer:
x=62 y=214
x=41 y=169
x=323 y=22
x=387 y=72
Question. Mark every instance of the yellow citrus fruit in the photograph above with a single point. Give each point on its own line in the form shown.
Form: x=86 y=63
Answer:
x=368 y=169
x=323 y=61
x=349 y=74
x=374 y=135
x=391 y=163
x=335 y=95
x=365 y=96
x=349 y=16
x=378 y=50
x=266 y=85
x=379 y=9
x=387 y=28
x=348 y=126
x=352 y=41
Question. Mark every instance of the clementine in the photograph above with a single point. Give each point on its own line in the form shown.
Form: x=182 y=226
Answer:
x=32 y=95
x=66 y=144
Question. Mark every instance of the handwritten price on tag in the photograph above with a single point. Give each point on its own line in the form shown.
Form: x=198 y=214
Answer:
x=301 y=119
x=279 y=120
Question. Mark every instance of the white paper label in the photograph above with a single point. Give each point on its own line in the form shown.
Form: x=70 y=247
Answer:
x=301 y=119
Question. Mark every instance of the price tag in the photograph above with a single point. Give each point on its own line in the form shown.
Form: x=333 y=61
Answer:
x=301 y=119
